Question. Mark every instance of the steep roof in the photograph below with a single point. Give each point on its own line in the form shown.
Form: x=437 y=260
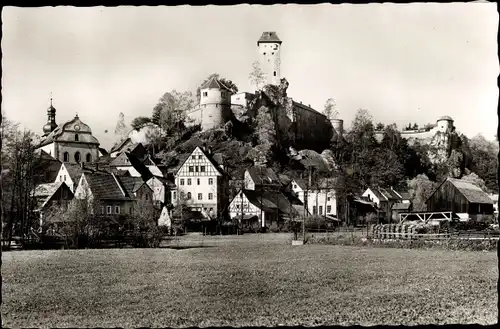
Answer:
x=121 y=143
x=46 y=189
x=269 y=37
x=106 y=186
x=263 y=176
x=445 y=117
x=270 y=201
x=214 y=83
x=46 y=167
x=302 y=183
x=74 y=170
x=131 y=184
x=471 y=191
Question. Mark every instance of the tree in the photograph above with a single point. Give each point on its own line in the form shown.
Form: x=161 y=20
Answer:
x=173 y=107
x=379 y=127
x=330 y=110
x=144 y=219
x=420 y=189
x=121 y=128
x=257 y=76
x=139 y=122
x=228 y=83
x=265 y=132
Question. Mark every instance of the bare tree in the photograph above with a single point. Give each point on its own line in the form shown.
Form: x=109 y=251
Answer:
x=257 y=76
x=330 y=110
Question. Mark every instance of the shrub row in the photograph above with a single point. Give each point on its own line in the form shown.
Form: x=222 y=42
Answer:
x=450 y=244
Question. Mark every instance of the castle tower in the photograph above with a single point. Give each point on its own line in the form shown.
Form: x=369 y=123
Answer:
x=215 y=105
x=338 y=126
x=51 y=120
x=445 y=124
x=269 y=46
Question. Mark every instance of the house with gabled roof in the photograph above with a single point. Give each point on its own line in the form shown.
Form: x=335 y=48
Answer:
x=261 y=178
x=202 y=184
x=111 y=194
x=320 y=195
x=461 y=197
x=48 y=195
x=390 y=202
x=70 y=173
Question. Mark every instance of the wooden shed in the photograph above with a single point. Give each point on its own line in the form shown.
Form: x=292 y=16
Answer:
x=463 y=197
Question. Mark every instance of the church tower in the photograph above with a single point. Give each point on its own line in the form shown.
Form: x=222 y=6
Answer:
x=51 y=120
x=269 y=46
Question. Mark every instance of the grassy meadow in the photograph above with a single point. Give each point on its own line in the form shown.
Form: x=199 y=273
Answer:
x=251 y=280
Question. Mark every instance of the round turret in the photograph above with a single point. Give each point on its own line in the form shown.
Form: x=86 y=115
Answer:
x=338 y=126
x=445 y=124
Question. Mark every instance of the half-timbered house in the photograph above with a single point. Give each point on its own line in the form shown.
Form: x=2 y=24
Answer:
x=202 y=185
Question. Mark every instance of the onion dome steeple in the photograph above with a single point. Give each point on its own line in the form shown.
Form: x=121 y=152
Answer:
x=51 y=119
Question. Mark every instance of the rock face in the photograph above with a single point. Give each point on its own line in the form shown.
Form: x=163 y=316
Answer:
x=440 y=147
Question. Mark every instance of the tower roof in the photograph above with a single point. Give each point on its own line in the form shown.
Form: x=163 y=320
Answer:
x=447 y=118
x=269 y=37
x=214 y=83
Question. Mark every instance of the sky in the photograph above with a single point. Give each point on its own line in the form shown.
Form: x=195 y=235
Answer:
x=402 y=62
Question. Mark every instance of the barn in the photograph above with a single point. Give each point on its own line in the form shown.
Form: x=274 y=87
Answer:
x=461 y=197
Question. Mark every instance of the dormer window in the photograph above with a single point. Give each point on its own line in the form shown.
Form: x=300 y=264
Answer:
x=76 y=137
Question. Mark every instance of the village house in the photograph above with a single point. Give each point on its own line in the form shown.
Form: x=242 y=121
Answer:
x=462 y=198
x=390 y=202
x=320 y=196
x=111 y=194
x=202 y=185
x=70 y=173
x=259 y=178
x=49 y=195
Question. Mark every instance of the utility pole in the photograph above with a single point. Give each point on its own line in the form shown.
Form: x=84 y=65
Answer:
x=241 y=195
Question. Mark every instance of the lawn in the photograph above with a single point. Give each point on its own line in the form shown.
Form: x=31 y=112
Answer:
x=247 y=281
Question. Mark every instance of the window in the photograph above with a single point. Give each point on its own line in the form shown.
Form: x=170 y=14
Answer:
x=216 y=105
x=76 y=137
x=196 y=168
x=189 y=181
x=60 y=178
x=200 y=196
x=182 y=195
x=329 y=198
x=210 y=196
x=294 y=186
x=88 y=157
x=200 y=157
x=77 y=156
x=264 y=53
x=205 y=93
x=102 y=210
x=66 y=157
x=174 y=195
x=210 y=181
x=237 y=206
x=328 y=209
x=191 y=169
x=321 y=210
x=197 y=181
x=315 y=211
x=274 y=73
x=64 y=177
x=202 y=168
x=147 y=197
x=117 y=209
x=108 y=209
x=182 y=181
x=272 y=53
x=189 y=196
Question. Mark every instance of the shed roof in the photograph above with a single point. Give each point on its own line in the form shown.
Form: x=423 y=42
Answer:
x=471 y=191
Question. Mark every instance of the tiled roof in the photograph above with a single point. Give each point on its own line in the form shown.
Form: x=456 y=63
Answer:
x=47 y=189
x=214 y=83
x=131 y=184
x=269 y=37
x=56 y=133
x=120 y=144
x=269 y=201
x=471 y=191
x=302 y=183
x=106 y=186
x=264 y=176
x=74 y=171
x=46 y=167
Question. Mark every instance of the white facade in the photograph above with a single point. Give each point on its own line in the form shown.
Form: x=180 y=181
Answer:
x=199 y=185
x=444 y=125
x=270 y=61
x=236 y=206
x=159 y=189
x=64 y=176
x=319 y=202
x=372 y=197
